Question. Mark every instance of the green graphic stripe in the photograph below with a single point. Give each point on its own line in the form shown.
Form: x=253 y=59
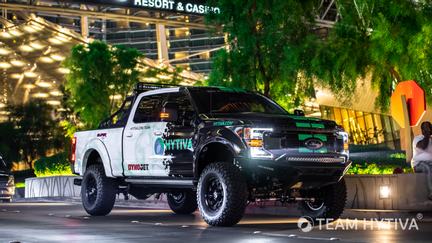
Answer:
x=303 y=125
x=303 y=118
x=310 y=125
x=306 y=150
x=321 y=137
x=303 y=137
x=317 y=125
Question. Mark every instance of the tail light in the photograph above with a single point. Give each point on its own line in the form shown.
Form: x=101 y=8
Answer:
x=73 y=148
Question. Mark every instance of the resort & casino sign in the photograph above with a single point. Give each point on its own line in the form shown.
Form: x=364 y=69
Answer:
x=198 y=7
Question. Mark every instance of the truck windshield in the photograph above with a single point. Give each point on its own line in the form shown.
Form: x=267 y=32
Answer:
x=215 y=101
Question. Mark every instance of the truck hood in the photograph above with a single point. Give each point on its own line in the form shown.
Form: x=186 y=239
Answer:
x=277 y=122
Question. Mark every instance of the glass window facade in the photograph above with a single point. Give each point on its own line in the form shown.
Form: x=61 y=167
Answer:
x=364 y=127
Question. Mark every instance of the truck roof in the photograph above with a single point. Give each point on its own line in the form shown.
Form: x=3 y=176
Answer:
x=144 y=87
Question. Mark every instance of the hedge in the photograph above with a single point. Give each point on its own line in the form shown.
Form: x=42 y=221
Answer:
x=55 y=165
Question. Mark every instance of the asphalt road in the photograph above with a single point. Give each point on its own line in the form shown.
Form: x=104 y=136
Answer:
x=68 y=222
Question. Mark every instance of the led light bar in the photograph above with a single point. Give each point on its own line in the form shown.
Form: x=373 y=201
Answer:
x=142 y=87
x=317 y=160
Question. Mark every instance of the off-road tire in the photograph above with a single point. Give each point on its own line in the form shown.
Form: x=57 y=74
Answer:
x=105 y=188
x=334 y=199
x=186 y=203
x=234 y=190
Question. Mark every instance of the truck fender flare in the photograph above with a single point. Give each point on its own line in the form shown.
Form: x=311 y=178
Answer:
x=225 y=137
x=98 y=146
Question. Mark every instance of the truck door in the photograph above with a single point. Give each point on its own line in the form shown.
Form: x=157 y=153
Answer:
x=158 y=140
x=177 y=139
x=140 y=136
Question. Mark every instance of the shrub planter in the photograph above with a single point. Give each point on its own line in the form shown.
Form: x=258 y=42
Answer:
x=52 y=186
x=388 y=192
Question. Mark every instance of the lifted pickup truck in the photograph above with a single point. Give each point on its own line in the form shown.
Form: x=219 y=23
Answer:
x=212 y=148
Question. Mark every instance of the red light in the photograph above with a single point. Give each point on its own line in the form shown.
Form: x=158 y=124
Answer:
x=73 y=148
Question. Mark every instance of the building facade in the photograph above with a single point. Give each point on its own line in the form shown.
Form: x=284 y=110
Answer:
x=169 y=31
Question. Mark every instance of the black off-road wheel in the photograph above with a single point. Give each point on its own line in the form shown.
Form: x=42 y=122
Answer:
x=98 y=192
x=182 y=202
x=329 y=202
x=222 y=194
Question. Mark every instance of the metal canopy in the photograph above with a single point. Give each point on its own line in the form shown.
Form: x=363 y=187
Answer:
x=31 y=53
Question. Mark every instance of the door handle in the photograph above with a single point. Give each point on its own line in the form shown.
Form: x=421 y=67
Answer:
x=129 y=135
x=157 y=133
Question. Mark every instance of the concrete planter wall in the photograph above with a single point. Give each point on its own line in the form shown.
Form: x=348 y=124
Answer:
x=53 y=186
x=407 y=192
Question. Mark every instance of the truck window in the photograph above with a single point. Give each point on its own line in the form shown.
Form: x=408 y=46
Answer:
x=185 y=110
x=149 y=108
x=120 y=117
x=212 y=101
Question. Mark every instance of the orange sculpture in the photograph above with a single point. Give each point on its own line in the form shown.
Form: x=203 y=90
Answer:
x=415 y=103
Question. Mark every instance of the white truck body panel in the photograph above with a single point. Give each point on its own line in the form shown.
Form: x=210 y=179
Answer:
x=107 y=144
x=137 y=148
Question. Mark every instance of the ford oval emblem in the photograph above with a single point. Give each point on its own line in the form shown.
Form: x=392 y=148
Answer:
x=314 y=144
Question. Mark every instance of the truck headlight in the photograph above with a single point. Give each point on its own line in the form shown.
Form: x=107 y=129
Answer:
x=345 y=140
x=254 y=139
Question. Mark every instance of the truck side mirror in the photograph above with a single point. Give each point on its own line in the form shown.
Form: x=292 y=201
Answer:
x=299 y=112
x=169 y=113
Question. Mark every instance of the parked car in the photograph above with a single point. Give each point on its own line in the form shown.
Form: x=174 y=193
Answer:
x=7 y=182
x=215 y=149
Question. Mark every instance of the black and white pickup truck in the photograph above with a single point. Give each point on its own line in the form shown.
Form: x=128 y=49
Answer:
x=211 y=148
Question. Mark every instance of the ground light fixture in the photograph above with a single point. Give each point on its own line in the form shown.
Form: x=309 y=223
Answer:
x=384 y=192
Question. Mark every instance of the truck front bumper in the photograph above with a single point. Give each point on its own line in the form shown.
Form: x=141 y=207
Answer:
x=303 y=173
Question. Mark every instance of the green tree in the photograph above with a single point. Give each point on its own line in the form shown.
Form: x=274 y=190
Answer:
x=9 y=149
x=31 y=132
x=270 y=47
x=387 y=41
x=100 y=77
x=98 y=74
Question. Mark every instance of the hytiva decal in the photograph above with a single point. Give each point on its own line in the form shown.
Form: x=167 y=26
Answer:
x=159 y=146
x=162 y=145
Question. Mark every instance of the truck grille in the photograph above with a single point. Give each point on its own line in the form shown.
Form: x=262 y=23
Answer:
x=297 y=141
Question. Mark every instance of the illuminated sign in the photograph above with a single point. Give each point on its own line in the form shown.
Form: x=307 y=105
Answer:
x=198 y=7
